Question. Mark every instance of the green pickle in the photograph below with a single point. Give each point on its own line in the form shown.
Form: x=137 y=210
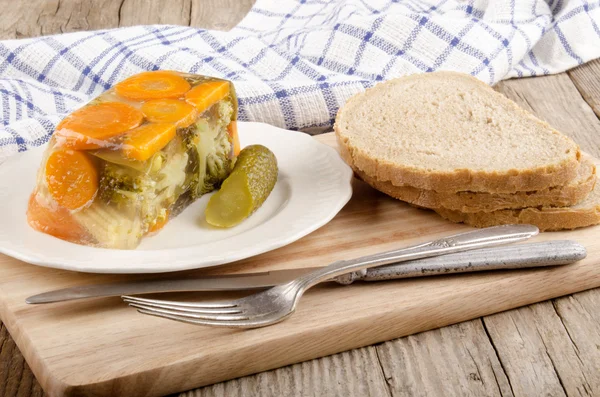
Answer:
x=246 y=189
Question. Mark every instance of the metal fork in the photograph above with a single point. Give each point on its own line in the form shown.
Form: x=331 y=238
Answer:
x=277 y=303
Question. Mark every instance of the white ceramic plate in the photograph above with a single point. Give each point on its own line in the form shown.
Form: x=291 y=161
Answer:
x=313 y=185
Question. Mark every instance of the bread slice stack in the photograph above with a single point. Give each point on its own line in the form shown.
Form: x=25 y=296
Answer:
x=448 y=142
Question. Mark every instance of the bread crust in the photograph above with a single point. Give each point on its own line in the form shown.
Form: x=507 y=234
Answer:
x=583 y=214
x=508 y=181
x=546 y=219
x=468 y=202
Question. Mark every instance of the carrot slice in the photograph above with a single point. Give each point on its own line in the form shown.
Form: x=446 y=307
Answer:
x=235 y=139
x=207 y=94
x=143 y=142
x=58 y=223
x=72 y=178
x=180 y=113
x=153 y=85
x=90 y=127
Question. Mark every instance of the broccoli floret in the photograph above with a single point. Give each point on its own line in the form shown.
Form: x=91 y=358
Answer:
x=218 y=165
x=189 y=136
x=120 y=185
x=204 y=178
x=222 y=112
x=148 y=193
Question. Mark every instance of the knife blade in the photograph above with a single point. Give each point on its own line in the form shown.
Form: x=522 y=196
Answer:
x=549 y=253
x=246 y=281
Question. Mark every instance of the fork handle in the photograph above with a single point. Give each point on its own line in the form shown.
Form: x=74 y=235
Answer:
x=491 y=236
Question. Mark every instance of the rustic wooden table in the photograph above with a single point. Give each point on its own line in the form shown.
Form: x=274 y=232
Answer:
x=550 y=348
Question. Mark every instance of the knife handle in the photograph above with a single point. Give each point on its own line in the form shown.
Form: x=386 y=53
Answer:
x=548 y=253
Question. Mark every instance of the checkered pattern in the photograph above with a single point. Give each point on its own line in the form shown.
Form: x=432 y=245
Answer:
x=294 y=63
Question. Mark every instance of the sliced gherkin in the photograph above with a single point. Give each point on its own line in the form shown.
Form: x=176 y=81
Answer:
x=246 y=189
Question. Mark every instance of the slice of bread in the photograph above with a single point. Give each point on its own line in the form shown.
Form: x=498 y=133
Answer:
x=586 y=213
x=450 y=132
x=557 y=196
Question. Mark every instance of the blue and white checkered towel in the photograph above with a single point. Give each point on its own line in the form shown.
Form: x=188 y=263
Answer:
x=294 y=63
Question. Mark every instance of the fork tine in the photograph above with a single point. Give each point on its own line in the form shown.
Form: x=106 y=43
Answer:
x=227 y=310
x=216 y=323
x=183 y=314
x=205 y=305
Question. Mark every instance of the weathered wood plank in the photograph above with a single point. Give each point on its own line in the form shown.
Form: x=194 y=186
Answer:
x=556 y=100
x=21 y=19
x=16 y=379
x=580 y=317
x=218 y=14
x=587 y=80
x=78 y=15
x=457 y=360
x=33 y=18
x=353 y=373
x=521 y=339
x=167 y=12
x=541 y=355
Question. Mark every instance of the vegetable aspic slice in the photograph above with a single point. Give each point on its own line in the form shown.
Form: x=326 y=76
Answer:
x=125 y=164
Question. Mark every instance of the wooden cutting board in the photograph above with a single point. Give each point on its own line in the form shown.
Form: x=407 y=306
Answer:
x=101 y=347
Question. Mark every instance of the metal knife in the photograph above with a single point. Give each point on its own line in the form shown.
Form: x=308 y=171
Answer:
x=549 y=253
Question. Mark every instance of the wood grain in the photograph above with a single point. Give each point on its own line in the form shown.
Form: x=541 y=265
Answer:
x=457 y=360
x=79 y=15
x=16 y=379
x=587 y=80
x=536 y=331
x=353 y=373
x=580 y=317
x=31 y=18
x=565 y=362
x=164 y=12
x=556 y=100
x=219 y=14
x=19 y=19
